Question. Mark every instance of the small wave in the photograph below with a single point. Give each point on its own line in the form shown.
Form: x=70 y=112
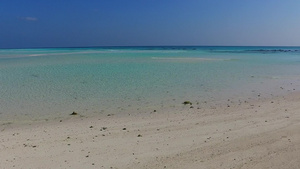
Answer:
x=278 y=77
x=65 y=53
x=285 y=77
x=191 y=59
x=37 y=55
x=85 y=52
x=48 y=54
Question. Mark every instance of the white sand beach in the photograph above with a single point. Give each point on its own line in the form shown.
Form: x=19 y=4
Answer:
x=247 y=134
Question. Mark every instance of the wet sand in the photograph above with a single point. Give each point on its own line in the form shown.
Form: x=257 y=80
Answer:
x=246 y=134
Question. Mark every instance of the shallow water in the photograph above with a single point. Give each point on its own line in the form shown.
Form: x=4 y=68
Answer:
x=37 y=84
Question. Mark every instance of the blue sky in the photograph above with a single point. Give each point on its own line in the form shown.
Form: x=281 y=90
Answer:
x=62 y=23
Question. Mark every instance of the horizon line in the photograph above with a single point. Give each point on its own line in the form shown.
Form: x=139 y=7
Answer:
x=127 y=46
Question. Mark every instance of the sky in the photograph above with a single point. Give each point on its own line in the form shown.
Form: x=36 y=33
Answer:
x=79 y=23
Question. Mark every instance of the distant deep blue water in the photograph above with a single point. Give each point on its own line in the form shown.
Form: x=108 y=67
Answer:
x=53 y=82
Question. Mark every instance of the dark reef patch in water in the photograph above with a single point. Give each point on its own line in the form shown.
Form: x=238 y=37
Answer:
x=272 y=51
x=262 y=51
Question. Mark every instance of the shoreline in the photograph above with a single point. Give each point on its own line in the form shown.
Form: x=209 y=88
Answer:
x=146 y=107
x=253 y=134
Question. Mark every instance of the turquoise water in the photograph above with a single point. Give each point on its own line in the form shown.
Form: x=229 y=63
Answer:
x=38 y=84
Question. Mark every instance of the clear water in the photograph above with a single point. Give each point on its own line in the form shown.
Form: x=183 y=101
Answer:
x=36 y=84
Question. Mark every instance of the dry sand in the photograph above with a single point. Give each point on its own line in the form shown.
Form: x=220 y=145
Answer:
x=256 y=134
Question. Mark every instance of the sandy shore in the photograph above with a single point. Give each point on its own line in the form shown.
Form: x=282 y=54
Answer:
x=245 y=134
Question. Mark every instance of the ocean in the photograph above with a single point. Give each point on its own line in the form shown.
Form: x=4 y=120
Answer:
x=50 y=83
